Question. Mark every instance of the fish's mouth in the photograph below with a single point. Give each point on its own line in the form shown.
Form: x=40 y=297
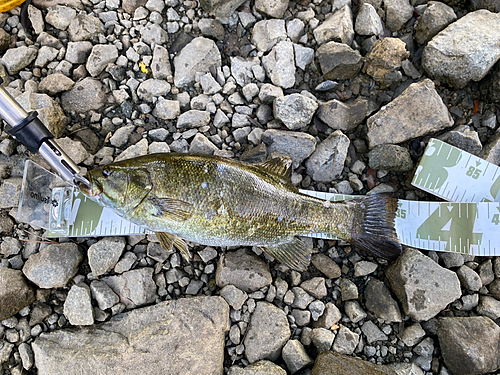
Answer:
x=92 y=189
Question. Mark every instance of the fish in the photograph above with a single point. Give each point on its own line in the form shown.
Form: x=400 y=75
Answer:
x=216 y=201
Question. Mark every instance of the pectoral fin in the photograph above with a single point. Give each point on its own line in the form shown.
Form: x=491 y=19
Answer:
x=168 y=241
x=171 y=209
x=294 y=254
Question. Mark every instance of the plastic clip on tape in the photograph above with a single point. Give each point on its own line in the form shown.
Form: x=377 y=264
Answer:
x=468 y=225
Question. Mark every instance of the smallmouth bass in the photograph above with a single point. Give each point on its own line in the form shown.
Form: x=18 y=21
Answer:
x=216 y=201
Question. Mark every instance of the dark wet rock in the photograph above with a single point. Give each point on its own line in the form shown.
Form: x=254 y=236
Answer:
x=395 y=122
x=384 y=60
x=86 y=95
x=54 y=265
x=464 y=138
x=470 y=60
x=244 y=270
x=434 y=19
x=327 y=162
x=330 y=363
x=469 y=345
x=418 y=283
x=390 y=158
x=338 y=27
x=198 y=56
x=15 y=292
x=267 y=333
x=379 y=301
x=297 y=145
x=295 y=110
x=137 y=342
x=338 y=61
x=397 y=13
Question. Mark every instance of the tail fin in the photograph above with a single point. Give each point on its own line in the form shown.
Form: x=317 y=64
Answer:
x=376 y=233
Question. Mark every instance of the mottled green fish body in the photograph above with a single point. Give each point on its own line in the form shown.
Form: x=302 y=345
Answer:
x=216 y=201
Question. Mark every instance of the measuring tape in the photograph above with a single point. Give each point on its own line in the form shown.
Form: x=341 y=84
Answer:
x=468 y=224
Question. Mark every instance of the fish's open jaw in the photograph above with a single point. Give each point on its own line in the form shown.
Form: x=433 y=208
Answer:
x=90 y=190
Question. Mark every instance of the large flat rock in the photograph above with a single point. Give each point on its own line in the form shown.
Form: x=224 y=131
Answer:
x=184 y=336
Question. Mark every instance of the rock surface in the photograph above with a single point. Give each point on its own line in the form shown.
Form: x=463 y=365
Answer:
x=15 y=292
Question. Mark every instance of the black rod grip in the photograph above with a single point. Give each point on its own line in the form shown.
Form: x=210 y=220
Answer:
x=31 y=132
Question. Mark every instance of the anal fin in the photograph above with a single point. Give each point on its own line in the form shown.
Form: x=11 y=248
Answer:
x=294 y=254
x=168 y=240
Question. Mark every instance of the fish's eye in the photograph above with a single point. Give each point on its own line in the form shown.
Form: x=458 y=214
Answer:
x=106 y=173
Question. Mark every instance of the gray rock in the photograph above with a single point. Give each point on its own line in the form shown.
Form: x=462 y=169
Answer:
x=267 y=333
x=16 y=59
x=303 y=56
x=135 y=287
x=301 y=317
x=385 y=59
x=322 y=339
x=209 y=85
x=78 y=307
x=268 y=93
x=345 y=115
x=198 y=56
x=267 y=33
x=464 y=138
x=417 y=281
x=10 y=192
x=26 y=355
x=489 y=306
x=494 y=88
x=346 y=341
x=295 y=29
x=338 y=61
x=153 y=34
x=85 y=27
x=315 y=287
x=86 y=95
x=317 y=308
x=139 y=149
x=45 y=55
x=280 y=66
x=157 y=252
x=78 y=52
x=338 y=27
x=126 y=262
x=394 y=123
x=121 y=136
x=15 y=292
x=368 y=22
x=327 y=162
x=202 y=145
x=152 y=88
x=348 y=289
x=485 y=271
x=294 y=144
x=397 y=13
x=295 y=356
x=390 y=158
x=326 y=265
x=258 y=368
x=435 y=18
x=272 y=8
x=469 y=345
x=104 y=254
x=49 y=111
x=244 y=270
x=103 y=294
x=331 y=316
x=491 y=151
x=364 y=268
x=5 y=351
x=233 y=296
x=241 y=69
x=160 y=65
x=379 y=301
x=295 y=110
x=60 y=16
x=372 y=332
x=136 y=342
x=212 y=28
x=301 y=299
x=403 y=368
x=451 y=260
x=53 y=266
x=10 y=246
x=221 y=8
x=469 y=60
x=469 y=278
x=193 y=119
x=330 y=363
x=101 y=56
x=55 y=83
x=413 y=334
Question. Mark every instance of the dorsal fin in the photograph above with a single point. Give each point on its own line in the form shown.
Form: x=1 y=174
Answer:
x=280 y=165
